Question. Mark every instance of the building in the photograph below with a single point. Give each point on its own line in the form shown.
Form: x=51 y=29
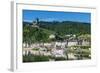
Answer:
x=52 y=36
x=35 y=23
x=72 y=42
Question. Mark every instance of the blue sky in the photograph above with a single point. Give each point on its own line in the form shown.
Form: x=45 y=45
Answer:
x=30 y=15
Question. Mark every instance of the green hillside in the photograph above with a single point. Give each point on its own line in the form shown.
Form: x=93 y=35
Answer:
x=59 y=29
x=34 y=34
x=67 y=27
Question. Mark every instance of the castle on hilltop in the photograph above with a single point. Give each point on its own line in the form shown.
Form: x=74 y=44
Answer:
x=35 y=23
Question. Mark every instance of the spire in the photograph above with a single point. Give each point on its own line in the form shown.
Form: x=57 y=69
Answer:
x=37 y=20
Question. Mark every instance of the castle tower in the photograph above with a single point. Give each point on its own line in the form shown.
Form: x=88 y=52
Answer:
x=35 y=23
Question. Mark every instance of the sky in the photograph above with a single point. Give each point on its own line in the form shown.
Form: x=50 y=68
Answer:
x=30 y=15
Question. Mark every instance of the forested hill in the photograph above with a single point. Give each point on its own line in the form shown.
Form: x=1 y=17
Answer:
x=65 y=27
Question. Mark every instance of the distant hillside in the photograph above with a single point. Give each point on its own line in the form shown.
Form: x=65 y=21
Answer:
x=41 y=33
x=65 y=27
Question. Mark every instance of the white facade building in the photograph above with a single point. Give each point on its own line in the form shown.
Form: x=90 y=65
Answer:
x=52 y=36
x=72 y=43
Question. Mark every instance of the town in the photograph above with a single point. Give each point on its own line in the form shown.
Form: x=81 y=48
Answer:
x=72 y=47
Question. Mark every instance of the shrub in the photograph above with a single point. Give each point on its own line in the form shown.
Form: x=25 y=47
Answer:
x=60 y=58
x=34 y=58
